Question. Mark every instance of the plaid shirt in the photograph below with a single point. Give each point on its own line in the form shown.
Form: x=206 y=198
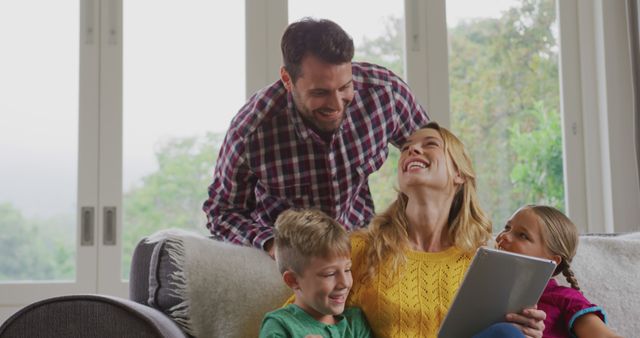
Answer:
x=271 y=161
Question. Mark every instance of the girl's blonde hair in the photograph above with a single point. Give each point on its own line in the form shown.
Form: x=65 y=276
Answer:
x=468 y=226
x=560 y=236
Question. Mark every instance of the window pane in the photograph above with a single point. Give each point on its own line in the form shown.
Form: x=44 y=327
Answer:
x=503 y=73
x=378 y=35
x=38 y=139
x=184 y=80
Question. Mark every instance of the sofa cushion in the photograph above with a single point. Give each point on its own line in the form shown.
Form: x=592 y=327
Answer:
x=211 y=288
x=608 y=272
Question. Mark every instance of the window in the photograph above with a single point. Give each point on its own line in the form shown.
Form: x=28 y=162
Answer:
x=38 y=140
x=504 y=96
x=183 y=82
x=76 y=133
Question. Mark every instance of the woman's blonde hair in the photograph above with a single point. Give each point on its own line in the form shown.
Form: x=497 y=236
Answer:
x=560 y=236
x=468 y=226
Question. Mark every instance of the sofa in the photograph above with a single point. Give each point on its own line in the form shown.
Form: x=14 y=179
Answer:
x=187 y=285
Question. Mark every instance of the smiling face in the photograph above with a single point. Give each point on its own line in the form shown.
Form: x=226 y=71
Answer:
x=523 y=234
x=323 y=287
x=321 y=93
x=425 y=162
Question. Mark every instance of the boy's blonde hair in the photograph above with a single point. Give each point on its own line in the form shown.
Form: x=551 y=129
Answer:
x=560 y=236
x=301 y=235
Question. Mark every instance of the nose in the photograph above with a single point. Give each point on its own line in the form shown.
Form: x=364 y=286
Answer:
x=336 y=101
x=414 y=148
x=344 y=280
x=503 y=237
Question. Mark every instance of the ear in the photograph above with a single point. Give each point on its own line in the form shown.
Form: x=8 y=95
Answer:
x=289 y=277
x=458 y=179
x=286 y=79
x=557 y=259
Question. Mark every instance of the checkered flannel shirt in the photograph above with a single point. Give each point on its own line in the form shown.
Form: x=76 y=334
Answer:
x=271 y=161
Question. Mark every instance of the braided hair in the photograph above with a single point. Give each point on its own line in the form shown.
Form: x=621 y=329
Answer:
x=561 y=238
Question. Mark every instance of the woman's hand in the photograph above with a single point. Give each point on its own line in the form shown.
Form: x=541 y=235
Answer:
x=530 y=321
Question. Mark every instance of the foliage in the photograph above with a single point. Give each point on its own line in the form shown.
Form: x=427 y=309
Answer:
x=383 y=183
x=504 y=75
x=537 y=169
x=386 y=49
x=172 y=196
x=35 y=249
x=504 y=93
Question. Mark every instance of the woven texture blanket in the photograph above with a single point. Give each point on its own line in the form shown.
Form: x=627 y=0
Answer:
x=226 y=289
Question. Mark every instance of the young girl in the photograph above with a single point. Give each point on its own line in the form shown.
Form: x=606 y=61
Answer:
x=545 y=232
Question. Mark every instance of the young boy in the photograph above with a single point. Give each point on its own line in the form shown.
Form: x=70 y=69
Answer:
x=313 y=254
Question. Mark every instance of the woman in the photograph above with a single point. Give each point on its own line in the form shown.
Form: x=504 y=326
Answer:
x=408 y=265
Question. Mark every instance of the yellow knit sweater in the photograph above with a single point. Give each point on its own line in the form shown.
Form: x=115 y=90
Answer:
x=413 y=301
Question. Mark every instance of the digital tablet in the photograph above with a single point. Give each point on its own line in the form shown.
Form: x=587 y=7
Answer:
x=496 y=283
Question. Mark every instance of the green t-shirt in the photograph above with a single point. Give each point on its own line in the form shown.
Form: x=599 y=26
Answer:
x=292 y=322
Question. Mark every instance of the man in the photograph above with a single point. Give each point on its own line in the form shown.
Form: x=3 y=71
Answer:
x=309 y=140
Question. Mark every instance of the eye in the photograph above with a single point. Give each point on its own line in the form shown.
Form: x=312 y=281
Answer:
x=523 y=236
x=317 y=93
x=345 y=87
x=404 y=147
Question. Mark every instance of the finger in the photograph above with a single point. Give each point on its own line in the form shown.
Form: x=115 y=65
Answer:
x=534 y=313
x=534 y=323
x=528 y=327
x=529 y=332
x=532 y=329
x=517 y=318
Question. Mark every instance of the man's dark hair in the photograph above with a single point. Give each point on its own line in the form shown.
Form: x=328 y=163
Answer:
x=321 y=38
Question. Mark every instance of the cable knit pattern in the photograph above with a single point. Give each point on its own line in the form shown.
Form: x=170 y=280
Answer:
x=413 y=301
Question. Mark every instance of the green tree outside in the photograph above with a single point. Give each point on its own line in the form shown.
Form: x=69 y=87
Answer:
x=172 y=196
x=35 y=249
x=503 y=80
x=537 y=169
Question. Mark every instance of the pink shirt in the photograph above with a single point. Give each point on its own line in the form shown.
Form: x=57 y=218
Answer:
x=563 y=305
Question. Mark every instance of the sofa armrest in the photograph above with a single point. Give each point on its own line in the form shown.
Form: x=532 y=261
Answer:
x=89 y=315
x=139 y=272
x=209 y=288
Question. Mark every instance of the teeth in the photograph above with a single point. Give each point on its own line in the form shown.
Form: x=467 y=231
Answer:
x=327 y=112
x=416 y=164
